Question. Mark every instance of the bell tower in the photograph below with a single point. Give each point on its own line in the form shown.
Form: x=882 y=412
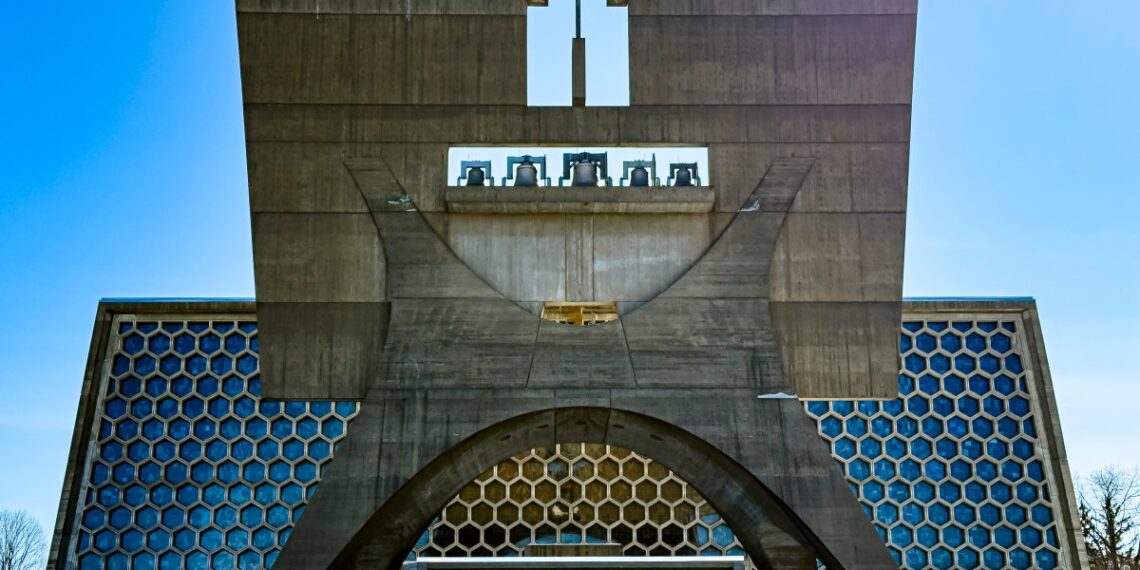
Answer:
x=449 y=308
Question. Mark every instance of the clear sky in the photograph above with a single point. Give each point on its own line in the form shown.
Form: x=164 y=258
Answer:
x=122 y=173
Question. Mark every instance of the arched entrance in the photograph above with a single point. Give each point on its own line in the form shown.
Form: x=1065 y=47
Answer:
x=608 y=498
x=771 y=534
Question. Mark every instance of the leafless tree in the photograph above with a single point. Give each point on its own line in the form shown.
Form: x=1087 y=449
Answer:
x=22 y=543
x=1110 y=518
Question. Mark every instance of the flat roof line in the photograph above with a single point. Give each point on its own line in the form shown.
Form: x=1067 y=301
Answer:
x=252 y=299
x=971 y=299
x=177 y=300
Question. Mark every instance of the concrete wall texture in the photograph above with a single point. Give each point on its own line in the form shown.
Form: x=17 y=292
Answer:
x=371 y=286
x=379 y=284
x=178 y=463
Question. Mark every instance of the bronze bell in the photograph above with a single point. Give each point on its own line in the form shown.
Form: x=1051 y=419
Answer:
x=526 y=174
x=639 y=177
x=585 y=174
x=475 y=177
x=684 y=177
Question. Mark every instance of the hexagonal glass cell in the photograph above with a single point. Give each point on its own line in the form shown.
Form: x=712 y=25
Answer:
x=1030 y=537
x=843 y=408
x=1003 y=383
x=195 y=365
x=989 y=514
x=199 y=517
x=986 y=470
x=932 y=427
x=202 y=472
x=917 y=405
x=901 y=535
x=961 y=470
x=120 y=365
x=978 y=536
x=305 y=471
x=920 y=448
x=882 y=426
x=968 y=558
x=982 y=427
x=817 y=408
x=940 y=363
x=858 y=470
x=1019 y=406
x=925 y=342
x=185 y=539
x=950 y=342
x=857 y=426
x=892 y=408
x=1001 y=343
x=1013 y=364
x=247 y=364
x=844 y=448
x=906 y=426
x=1015 y=514
x=896 y=448
x=994 y=559
x=1000 y=492
x=870 y=448
x=225 y=516
x=884 y=469
x=1026 y=493
x=158 y=539
x=989 y=363
x=235 y=343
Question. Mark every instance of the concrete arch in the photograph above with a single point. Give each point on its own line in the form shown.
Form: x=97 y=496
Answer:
x=771 y=532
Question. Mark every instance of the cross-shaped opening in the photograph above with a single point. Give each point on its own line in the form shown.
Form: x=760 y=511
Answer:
x=555 y=29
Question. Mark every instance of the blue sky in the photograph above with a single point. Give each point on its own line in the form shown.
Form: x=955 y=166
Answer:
x=122 y=173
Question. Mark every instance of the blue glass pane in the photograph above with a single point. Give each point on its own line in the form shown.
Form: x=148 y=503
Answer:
x=910 y=470
x=940 y=363
x=938 y=514
x=831 y=427
x=924 y=491
x=921 y=448
x=925 y=342
x=989 y=514
x=235 y=343
x=927 y=536
x=916 y=558
x=1000 y=342
x=968 y=558
x=994 y=559
x=1046 y=560
x=1000 y=492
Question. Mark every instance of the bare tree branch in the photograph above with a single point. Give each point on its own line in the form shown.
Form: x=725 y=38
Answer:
x=22 y=543
x=1110 y=515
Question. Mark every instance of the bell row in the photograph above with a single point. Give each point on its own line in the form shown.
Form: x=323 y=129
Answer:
x=583 y=169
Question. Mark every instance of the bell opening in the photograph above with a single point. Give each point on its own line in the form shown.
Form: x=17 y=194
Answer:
x=554 y=166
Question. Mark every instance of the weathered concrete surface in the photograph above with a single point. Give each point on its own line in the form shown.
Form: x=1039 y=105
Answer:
x=786 y=281
x=420 y=465
x=575 y=200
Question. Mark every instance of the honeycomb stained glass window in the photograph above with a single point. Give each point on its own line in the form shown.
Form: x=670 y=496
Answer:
x=951 y=474
x=578 y=494
x=188 y=468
